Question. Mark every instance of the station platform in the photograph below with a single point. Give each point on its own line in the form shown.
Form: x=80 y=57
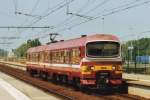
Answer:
x=8 y=92
x=138 y=79
x=13 y=89
x=138 y=84
x=14 y=64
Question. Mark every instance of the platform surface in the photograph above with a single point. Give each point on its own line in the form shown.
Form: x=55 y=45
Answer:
x=8 y=92
x=14 y=89
x=137 y=78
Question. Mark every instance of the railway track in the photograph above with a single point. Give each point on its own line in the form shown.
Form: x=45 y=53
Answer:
x=63 y=91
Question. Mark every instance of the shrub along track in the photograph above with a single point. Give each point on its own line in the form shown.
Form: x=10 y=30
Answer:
x=65 y=92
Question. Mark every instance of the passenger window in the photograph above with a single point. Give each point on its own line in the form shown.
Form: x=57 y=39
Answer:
x=36 y=57
x=46 y=56
x=66 y=57
x=41 y=56
x=54 y=57
x=61 y=57
x=75 y=56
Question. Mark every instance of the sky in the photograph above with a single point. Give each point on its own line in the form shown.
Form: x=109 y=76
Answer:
x=127 y=19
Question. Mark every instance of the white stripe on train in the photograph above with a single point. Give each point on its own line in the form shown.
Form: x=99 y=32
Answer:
x=55 y=65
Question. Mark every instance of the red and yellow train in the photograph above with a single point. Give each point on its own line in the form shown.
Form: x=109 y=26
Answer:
x=93 y=61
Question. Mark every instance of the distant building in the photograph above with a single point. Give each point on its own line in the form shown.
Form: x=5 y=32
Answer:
x=143 y=59
x=11 y=55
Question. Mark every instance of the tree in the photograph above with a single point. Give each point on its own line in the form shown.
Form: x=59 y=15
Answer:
x=36 y=42
x=22 y=49
x=142 y=47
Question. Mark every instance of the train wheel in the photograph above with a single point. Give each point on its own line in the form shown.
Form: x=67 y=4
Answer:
x=54 y=78
x=74 y=83
x=77 y=84
x=46 y=76
x=65 y=79
x=123 y=88
x=31 y=73
x=103 y=88
x=60 y=78
x=43 y=75
x=49 y=77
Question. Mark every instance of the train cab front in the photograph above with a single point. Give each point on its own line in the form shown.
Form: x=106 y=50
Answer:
x=102 y=65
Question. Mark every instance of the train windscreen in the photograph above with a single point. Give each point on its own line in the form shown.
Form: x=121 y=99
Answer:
x=102 y=49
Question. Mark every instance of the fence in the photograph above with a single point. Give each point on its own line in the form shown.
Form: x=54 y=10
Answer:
x=135 y=67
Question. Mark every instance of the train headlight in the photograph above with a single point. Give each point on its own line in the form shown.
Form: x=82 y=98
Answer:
x=113 y=67
x=92 y=67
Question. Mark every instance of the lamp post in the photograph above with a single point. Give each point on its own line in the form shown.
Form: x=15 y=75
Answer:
x=135 y=54
x=130 y=49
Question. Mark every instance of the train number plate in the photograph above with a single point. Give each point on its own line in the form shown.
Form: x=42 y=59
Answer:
x=102 y=68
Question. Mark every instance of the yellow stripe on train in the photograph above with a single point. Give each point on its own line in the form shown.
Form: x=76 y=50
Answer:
x=102 y=68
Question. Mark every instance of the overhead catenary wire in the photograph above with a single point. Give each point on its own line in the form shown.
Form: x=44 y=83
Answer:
x=105 y=10
x=32 y=10
x=66 y=21
x=30 y=13
x=15 y=5
x=134 y=34
x=80 y=10
x=106 y=14
x=52 y=11
x=35 y=6
x=24 y=27
x=124 y=5
x=52 y=8
x=9 y=38
x=70 y=17
x=48 y=11
x=102 y=16
x=37 y=18
x=108 y=11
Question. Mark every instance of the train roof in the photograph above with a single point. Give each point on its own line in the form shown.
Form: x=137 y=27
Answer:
x=37 y=49
x=78 y=42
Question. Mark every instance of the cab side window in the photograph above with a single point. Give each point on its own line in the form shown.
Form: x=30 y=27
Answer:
x=67 y=57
